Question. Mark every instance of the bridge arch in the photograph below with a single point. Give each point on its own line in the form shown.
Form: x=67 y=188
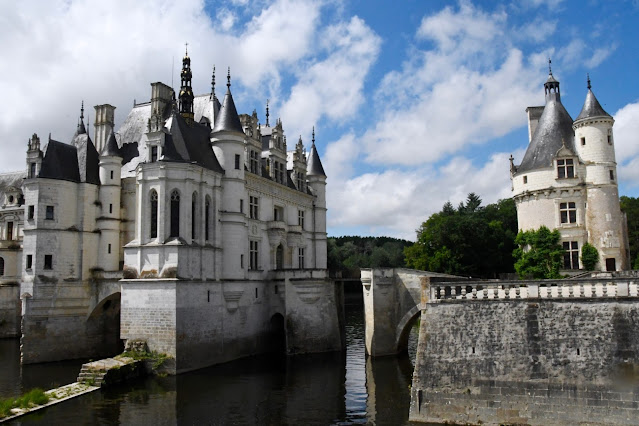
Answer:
x=404 y=328
x=103 y=326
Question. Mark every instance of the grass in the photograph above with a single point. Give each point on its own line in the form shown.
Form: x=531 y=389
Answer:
x=157 y=358
x=30 y=399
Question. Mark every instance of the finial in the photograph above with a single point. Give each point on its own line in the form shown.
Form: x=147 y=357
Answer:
x=213 y=81
x=589 y=86
x=549 y=66
x=186 y=49
x=313 y=135
x=82 y=111
x=267 y=114
x=228 y=78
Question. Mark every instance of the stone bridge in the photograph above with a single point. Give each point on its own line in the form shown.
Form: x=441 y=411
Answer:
x=392 y=302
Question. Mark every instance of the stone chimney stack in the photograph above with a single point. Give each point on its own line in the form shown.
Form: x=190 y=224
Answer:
x=104 y=121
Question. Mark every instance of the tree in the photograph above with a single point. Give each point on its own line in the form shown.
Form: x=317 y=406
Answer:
x=348 y=254
x=630 y=206
x=589 y=257
x=539 y=254
x=470 y=240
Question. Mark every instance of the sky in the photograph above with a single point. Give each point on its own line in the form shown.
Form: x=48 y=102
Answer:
x=414 y=103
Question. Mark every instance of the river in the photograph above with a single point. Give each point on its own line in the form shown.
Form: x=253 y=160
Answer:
x=320 y=389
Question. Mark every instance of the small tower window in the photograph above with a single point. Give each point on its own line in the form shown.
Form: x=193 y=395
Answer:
x=111 y=174
x=237 y=161
x=31 y=213
x=565 y=168
x=49 y=213
x=110 y=208
x=583 y=141
x=109 y=249
x=48 y=261
x=525 y=180
x=154 y=214
x=154 y=154
x=207 y=210
x=175 y=214
x=32 y=169
x=1 y=266
x=612 y=175
x=609 y=138
x=194 y=216
x=29 y=261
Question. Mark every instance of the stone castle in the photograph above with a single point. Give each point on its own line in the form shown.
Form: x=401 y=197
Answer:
x=567 y=180
x=190 y=227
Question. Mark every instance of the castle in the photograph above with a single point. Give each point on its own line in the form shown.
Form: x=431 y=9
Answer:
x=567 y=180
x=191 y=228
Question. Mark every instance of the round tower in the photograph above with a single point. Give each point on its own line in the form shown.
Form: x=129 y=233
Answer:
x=110 y=192
x=227 y=140
x=595 y=146
x=317 y=183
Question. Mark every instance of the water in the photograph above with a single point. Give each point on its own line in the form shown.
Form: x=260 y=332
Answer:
x=320 y=389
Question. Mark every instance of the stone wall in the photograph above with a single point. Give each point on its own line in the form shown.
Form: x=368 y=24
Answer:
x=510 y=361
x=9 y=310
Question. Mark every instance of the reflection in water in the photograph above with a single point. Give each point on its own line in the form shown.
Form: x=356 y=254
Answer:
x=320 y=389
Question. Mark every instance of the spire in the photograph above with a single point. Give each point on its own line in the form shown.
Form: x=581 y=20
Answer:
x=267 y=114
x=588 y=77
x=213 y=84
x=111 y=148
x=186 y=92
x=551 y=86
x=592 y=107
x=81 y=129
x=314 y=163
x=227 y=119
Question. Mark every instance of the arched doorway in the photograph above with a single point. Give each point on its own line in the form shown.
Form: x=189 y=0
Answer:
x=103 y=327
x=277 y=341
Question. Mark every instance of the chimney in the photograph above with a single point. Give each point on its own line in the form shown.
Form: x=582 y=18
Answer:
x=103 y=125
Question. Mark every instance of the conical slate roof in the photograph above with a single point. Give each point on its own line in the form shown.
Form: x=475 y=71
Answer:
x=111 y=148
x=315 y=164
x=554 y=130
x=227 y=120
x=591 y=108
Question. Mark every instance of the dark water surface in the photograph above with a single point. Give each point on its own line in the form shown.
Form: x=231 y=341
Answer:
x=320 y=389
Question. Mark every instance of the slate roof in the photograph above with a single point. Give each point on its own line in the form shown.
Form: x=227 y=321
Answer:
x=111 y=147
x=11 y=180
x=60 y=162
x=553 y=131
x=88 y=159
x=591 y=108
x=227 y=120
x=314 y=166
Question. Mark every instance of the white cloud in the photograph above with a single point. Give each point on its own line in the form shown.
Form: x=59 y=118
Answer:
x=626 y=133
x=333 y=86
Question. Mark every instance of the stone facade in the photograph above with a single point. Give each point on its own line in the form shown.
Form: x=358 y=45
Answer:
x=191 y=227
x=567 y=180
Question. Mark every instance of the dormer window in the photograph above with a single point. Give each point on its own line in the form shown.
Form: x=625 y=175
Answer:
x=565 y=168
x=154 y=154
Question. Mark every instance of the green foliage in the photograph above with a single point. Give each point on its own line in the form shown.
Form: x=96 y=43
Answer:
x=30 y=399
x=539 y=254
x=348 y=254
x=630 y=206
x=589 y=257
x=158 y=358
x=470 y=240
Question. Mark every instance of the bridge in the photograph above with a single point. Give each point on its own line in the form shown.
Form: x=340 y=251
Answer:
x=392 y=302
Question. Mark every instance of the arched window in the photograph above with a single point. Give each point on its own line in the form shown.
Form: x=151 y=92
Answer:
x=175 y=214
x=154 y=214
x=194 y=216
x=1 y=266
x=279 y=257
x=207 y=217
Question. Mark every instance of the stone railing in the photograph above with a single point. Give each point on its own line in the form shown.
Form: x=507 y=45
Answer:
x=543 y=289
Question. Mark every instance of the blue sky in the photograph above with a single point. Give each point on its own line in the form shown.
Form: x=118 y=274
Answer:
x=415 y=103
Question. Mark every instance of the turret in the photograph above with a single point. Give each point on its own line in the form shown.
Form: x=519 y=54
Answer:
x=186 y=92
x=227 y=140
x=317 y=183
x=110 y=192
x=34 y=157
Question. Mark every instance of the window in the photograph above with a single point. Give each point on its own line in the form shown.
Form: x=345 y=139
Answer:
x=109 y=249
x=241 y=206
x=525 y=180
x=571 y=255
x=237 y=161
x=278 y=172
x=278 y=213
x=175 y=214
x=48 y=261
x=254 y=207
x=565 y=168
x=583 y=141
x=194 y=216
x=31 y=213
x=154 y=154
x=207 y=212
x=49 y=213
x=111 y=174
x=254 y=161
x=612 y=175
x=9 y=231
x=609 y=138
x=32 y=170
x=154 y=214
x=110 y=208
x=241 y=261
x=29 y=261
x=300 y=218
x=253 y=255
x=1 y=266
x=568 y=212
x=300 y=181
x=300 y=257
x=11 y=199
